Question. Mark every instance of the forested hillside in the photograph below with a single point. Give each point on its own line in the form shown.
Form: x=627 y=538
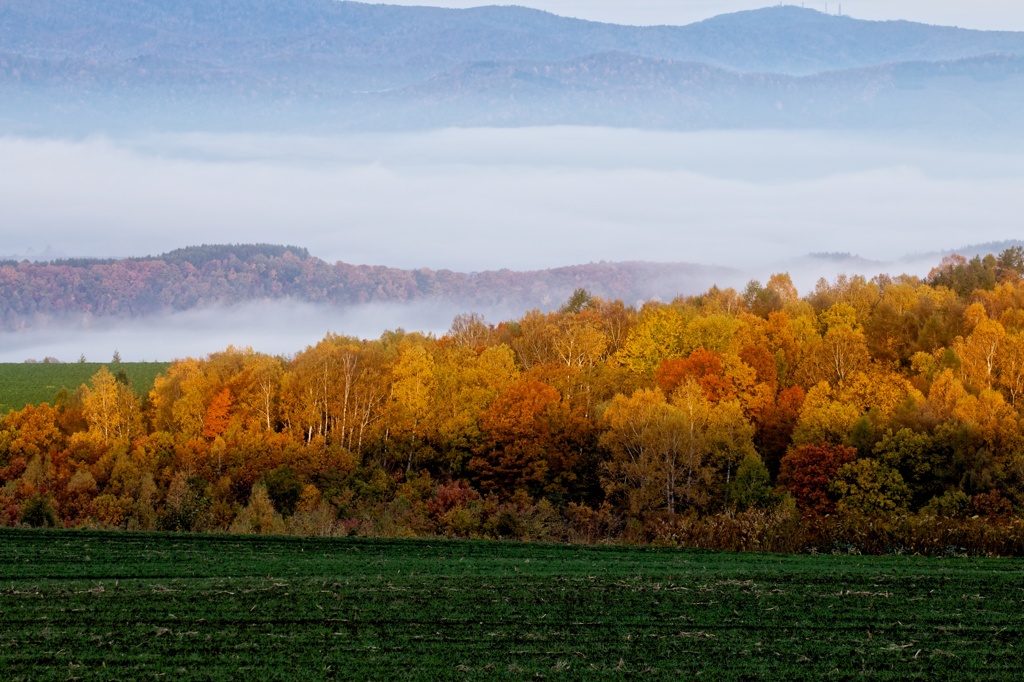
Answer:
x=395 y=45
x=203 y=276
x=880 y=415
x=318 y=65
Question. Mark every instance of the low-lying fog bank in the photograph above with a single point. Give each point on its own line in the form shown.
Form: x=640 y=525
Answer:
x=480 y=199
x=278 y=327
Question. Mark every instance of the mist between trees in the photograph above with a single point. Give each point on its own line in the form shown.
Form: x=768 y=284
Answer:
x=870 y=415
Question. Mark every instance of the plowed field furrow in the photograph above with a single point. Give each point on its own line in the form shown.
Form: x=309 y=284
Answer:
x=100 y=606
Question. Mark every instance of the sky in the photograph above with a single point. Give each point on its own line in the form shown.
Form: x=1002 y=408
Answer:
x=979 y=14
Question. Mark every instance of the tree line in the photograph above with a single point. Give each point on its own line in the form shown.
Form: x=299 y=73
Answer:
x=881 y=415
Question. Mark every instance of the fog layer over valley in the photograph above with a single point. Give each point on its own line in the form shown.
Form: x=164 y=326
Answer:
x=274 y=327
x=482 y=199
x=754 y=202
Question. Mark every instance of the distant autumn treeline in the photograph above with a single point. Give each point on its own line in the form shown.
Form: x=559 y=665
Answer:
x=195 y=277
x=869 y=415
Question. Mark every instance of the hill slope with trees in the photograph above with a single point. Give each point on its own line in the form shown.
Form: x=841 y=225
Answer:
x=225 y=275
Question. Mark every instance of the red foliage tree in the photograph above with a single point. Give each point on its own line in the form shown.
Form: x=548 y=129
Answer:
x=807 y=471
x=775 y=424
x=451 y=495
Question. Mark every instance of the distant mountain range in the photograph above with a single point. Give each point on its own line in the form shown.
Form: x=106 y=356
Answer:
x=327 y=65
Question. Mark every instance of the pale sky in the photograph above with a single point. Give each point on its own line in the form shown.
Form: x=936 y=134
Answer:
x=1007 y=15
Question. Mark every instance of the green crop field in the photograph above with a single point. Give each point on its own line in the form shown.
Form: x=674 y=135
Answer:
x=91 y=605
x=31 y=384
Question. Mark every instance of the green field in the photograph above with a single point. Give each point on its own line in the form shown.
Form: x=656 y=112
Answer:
x=91 y=605
x=24 y=384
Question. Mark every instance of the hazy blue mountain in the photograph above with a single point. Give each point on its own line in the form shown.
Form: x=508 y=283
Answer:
x=608 y=89
x=323 y=64
x=619 y=89
x=245 y=33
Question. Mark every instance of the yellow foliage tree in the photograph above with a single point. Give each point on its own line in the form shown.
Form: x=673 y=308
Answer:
x=112 y=411
x=1010 y=366
x=879 y=389
x=979 y=352
x=824 y=419
x=413 y=388
x=654 y=338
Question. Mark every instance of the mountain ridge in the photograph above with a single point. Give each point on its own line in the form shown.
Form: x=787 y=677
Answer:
x=320 y=65
x=237 y=26
x=196 y=277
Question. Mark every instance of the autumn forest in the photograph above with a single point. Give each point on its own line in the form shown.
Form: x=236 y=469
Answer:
x=880 y=415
